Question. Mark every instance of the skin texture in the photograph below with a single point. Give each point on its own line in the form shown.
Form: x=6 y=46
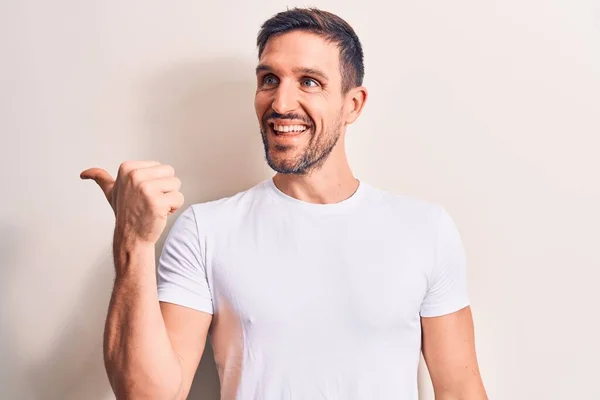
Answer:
x=151 y=348
x=449 y=351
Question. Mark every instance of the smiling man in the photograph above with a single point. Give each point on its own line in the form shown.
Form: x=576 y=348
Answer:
x=312 y=284
x=306 y=96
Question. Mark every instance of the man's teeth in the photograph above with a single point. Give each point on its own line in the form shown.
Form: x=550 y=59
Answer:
x=289 y=128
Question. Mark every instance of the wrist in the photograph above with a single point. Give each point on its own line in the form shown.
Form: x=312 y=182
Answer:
x=133 y=256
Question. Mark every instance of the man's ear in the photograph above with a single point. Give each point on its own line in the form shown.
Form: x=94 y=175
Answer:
x=355 y=101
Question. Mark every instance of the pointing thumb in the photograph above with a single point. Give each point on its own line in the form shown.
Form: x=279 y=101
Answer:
x=102 y=178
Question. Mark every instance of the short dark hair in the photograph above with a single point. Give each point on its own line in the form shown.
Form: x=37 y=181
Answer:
x=331 y=27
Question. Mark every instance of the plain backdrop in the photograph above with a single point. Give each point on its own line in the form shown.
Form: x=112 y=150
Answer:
x=491 y=108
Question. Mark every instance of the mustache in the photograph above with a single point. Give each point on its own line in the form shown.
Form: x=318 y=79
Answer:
x=291 y=116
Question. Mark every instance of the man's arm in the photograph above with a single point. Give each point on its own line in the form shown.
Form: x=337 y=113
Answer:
x=188 y=330
x=151 y=351
x=449 y=352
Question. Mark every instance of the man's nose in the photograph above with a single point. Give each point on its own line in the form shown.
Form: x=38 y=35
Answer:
x=285 y=99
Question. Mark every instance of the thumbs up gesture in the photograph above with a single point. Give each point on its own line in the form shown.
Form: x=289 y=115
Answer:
x=144 y=194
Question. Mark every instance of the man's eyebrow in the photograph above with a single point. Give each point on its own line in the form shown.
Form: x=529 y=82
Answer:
x=303 y=70
x=263 y=68
x=311 y=71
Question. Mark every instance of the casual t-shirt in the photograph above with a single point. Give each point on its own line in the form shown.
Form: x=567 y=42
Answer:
x=315 y=301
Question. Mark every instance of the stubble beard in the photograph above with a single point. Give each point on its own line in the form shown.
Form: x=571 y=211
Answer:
x=312 y=157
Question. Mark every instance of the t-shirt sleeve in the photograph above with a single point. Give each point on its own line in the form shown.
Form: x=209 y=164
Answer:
x=181 y=273
x=447 y=284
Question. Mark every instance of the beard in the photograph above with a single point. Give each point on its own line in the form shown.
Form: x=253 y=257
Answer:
x=310 y=158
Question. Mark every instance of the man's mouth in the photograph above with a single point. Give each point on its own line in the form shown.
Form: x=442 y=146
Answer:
x=288 y=130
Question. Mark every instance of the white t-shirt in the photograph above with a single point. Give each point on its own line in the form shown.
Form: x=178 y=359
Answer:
x=315 y=301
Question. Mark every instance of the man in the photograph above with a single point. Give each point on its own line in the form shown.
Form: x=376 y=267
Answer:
x=314 y=284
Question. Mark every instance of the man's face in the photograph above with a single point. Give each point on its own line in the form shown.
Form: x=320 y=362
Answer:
x=299 y=102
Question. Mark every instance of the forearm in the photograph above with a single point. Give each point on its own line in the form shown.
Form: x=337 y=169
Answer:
x=139 y=359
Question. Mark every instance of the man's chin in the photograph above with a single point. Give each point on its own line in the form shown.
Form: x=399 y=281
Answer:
x=284 y=165
x=281 y=167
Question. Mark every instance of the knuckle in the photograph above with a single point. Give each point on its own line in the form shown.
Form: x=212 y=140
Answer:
x=134 y=176
x=176 y=201
x=169 y=169
x=124 y=167
x=179 y=199
x=145 y=188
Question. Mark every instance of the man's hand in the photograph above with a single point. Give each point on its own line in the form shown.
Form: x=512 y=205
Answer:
x=143 y=337
x=144 y=194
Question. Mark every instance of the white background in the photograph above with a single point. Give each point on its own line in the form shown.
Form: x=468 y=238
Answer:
x=491 y=108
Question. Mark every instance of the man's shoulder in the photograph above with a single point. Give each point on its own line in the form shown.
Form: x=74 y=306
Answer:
x=233 y=204
x=397 y=202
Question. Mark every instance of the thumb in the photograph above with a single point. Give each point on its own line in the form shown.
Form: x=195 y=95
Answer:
x=102 y=178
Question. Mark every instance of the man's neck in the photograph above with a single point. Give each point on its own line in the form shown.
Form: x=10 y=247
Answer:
x=320 y=187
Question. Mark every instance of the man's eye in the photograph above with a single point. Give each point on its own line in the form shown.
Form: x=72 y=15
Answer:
x=308 y=82
x=270 y=80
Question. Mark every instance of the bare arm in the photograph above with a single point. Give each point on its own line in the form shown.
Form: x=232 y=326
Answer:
x=188 y=329
x=449 y=352
x=151 y=351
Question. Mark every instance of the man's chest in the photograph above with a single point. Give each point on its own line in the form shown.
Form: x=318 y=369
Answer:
x=351 y=281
